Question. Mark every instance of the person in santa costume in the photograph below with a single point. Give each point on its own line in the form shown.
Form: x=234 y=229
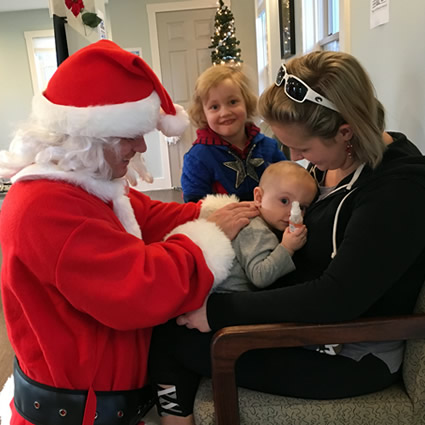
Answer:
x=89 y=265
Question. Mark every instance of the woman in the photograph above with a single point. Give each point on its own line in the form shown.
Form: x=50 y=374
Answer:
x=361 y=258
x=89 y=265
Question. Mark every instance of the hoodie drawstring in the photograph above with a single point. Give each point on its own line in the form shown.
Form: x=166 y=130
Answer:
x=348 y=186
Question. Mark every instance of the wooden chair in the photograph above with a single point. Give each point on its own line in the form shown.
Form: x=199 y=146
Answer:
x=402 y=403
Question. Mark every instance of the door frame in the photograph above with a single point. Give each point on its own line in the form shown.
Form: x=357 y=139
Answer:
x=152 y=10
x=345 y=26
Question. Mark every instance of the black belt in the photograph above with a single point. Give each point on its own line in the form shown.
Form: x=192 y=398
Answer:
x=44 y=405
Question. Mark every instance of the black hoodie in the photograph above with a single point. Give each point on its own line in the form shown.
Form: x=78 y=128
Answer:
x=379 y=239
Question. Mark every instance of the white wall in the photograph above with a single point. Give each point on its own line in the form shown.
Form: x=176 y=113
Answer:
x=129 y=23
x=245 y=31
x=16 y=89
x=15 y=79
x=394 y=55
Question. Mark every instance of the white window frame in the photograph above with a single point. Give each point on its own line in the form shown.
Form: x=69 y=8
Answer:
x=317 y=17
x=326 y=33
x=29 y=39
x=263 y=64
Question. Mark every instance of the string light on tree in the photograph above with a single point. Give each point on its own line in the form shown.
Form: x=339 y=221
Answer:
x=223 y=42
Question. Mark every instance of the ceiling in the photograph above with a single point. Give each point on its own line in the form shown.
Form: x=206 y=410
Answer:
x=11 y=5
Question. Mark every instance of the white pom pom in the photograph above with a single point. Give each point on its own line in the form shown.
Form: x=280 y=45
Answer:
x=173 y=125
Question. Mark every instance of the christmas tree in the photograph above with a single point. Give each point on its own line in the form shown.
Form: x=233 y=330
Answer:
x=224 y=43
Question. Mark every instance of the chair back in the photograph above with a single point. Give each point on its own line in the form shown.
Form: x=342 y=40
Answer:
x=401 y=404
x=414 y=366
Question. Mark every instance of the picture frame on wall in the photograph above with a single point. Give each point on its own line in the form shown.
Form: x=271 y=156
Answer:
x=287 y=28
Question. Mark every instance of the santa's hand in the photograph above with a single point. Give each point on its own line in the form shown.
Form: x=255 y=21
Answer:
x=196 y=319
x=233 y=217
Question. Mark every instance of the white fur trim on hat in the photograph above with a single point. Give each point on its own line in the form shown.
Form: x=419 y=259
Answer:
x=215 y=246
x=173 y=125
x=126 y=120
x=212 y=203
x=6 y=396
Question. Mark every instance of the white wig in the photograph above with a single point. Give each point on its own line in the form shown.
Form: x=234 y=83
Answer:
x=33 y=144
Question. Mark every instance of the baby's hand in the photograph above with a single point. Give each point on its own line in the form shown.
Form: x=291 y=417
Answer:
x=295 y=240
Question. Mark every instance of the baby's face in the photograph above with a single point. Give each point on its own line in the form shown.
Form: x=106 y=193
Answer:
x=277 y=198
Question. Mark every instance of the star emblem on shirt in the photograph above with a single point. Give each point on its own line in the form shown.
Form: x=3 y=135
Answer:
x=244 y=168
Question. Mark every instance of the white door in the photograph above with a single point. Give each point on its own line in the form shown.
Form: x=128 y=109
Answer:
x=183 y=40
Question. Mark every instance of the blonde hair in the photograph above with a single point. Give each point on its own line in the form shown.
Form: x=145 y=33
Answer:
x=340 y=78
x=286 y=169
x=210 y=78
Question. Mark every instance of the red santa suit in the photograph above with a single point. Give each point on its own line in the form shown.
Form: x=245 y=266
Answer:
x=81 y=293
x=88 y=269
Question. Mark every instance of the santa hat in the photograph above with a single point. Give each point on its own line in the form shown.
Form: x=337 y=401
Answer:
x=105 y=91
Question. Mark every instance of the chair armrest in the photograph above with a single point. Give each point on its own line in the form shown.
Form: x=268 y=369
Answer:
x=228 y=344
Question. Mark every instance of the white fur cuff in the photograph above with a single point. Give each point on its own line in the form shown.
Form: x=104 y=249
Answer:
x=212 y=203
x=215 y=246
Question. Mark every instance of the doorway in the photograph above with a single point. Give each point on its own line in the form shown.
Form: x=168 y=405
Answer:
x=180 y=34
x=183 y=38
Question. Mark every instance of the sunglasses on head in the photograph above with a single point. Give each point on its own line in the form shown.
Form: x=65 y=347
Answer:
x=299 y=91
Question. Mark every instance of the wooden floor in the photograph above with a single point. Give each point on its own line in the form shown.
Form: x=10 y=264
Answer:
x=6 y=353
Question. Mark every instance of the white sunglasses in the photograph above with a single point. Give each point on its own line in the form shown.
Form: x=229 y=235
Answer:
x=297 y=90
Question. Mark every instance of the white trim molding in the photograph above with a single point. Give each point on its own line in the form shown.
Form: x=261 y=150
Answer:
x=29 y=40
x=345 y=26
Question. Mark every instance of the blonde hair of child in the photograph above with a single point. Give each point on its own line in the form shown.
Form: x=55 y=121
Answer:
x=286 y=170
x=210 y=78
x=340 y=78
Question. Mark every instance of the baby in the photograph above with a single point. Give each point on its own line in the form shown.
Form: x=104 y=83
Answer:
x=261 y=256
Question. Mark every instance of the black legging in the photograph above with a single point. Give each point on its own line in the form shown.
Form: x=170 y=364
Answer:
x=180 y=356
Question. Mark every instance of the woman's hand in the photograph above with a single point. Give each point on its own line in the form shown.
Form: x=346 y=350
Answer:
x=233 y=217
x=196 y=319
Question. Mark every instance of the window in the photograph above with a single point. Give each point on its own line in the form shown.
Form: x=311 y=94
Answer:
x=320 y=24
x=262 y=56
x=42 y=57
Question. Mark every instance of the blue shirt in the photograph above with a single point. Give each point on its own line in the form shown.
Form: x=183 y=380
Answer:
x=212 y=165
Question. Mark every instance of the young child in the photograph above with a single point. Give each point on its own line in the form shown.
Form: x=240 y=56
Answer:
x=230 y=154
x=261 y=256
